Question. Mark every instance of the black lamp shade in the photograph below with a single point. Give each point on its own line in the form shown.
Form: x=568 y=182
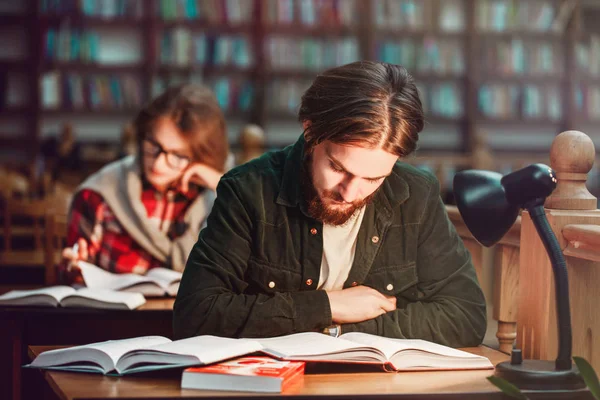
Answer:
x=482 y=203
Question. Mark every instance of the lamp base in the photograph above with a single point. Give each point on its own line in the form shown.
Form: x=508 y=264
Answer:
x=540 y=375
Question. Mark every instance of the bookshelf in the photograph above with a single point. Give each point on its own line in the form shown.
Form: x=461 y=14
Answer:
x=479 y=64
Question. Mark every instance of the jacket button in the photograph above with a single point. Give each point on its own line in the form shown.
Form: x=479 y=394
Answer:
x=313 y=231
x=271 y=284
x=354 y=283
x=308 y=282
x=389 y=286
x=375 y=239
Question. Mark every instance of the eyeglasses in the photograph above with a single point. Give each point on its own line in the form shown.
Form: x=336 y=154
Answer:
x=153 y=149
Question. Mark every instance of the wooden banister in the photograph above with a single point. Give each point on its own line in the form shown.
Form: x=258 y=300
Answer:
x=458 y=222
x=471 y=244
x=574 y=218
x=506 y=286
x=583 y=241
x=505 y=267
x=572 y=158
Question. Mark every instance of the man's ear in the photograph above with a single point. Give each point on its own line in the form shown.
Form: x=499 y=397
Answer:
x=305 y=125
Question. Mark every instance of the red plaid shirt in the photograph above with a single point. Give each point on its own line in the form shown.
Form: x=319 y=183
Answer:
x=109 y=245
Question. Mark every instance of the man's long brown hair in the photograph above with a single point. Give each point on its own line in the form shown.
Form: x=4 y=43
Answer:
x=370 y=104
x=198 y=117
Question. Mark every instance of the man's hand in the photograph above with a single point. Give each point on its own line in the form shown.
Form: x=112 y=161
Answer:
x=358 y=304
x=201 y=174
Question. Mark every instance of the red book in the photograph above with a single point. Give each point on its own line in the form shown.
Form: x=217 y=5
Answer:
x=255 y=374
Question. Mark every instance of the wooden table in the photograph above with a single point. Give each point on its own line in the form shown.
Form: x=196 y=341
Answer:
x=320 y=381
x=25 y=326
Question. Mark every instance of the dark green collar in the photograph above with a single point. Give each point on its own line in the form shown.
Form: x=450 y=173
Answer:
x=290 y=191
x=392 y=193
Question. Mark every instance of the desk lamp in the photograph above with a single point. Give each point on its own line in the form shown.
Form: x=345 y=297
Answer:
x=489 y=205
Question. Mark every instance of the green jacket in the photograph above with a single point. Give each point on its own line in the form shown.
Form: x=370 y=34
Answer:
x=255 y=267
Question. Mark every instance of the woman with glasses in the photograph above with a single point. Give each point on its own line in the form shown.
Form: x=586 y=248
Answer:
x=146 y=210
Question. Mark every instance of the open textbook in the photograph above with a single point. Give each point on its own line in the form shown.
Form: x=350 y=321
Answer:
x=149 y=353
x=156 y=282
x=66 y=296
x=363 y=348
x=146 y=353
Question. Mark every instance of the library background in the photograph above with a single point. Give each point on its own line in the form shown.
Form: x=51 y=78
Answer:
x=498 y=78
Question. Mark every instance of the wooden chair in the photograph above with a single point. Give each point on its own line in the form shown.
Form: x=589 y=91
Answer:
x=23 y=219
x=55 y=242
x=40 y=224
x=56 y=231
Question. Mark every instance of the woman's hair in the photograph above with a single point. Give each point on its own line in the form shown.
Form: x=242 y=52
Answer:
x=371 y=104
x=196 y=113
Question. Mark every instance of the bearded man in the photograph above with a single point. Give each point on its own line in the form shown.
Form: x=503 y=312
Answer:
x=334 y=233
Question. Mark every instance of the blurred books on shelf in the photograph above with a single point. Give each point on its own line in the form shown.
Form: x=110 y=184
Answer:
x=427 y=56
x=71 y=44
x=310 y=13
x=475 y=62
x=288 y=52
x=182 y=47
x=587 y=56
x=443 y=100
x=208 y=11
x=233 y=94
x=513 y=16
x=93 y=8
x=283 y=96
x=514 y=102
x=419 y=15
x=76 y=91
x=587 y=101
x=521 y=57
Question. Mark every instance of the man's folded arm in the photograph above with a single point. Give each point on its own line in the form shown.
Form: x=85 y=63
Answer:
x=447 y=306
x=211 y=298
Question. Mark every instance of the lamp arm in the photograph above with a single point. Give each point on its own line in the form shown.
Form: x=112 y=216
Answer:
x=561 y=283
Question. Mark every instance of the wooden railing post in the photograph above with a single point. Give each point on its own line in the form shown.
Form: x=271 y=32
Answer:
x=506 y=287
x=571 y=156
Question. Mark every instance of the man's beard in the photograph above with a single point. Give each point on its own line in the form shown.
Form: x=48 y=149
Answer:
x=321 y=211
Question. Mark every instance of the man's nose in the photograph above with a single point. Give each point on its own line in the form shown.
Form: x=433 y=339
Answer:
x=350 y=190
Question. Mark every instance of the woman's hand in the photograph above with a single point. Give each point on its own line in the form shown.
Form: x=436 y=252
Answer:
x=71 y=255
x=201 y=174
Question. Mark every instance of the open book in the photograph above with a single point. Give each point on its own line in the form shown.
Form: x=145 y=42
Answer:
x=141 y=354
x=148 y=353
x=363 y=348
x=66 y=296
x=156 y=282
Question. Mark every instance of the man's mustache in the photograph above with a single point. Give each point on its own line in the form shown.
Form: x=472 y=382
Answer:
x=336 y=196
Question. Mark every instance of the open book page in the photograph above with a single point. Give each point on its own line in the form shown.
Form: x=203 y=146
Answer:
x=166 y=278
x=97 y=357
x=416 y=353
x=53 y=294
x=186 y=352
x=101 y=298
x=313 y=346
x=96 y=277
x=156 y=282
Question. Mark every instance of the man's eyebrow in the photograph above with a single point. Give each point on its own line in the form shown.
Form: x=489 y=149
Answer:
x=340 y=166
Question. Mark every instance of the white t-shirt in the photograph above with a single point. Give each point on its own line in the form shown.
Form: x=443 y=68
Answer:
x=339 y=246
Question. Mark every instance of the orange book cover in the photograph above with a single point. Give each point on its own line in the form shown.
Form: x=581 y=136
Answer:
x=262 y=374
